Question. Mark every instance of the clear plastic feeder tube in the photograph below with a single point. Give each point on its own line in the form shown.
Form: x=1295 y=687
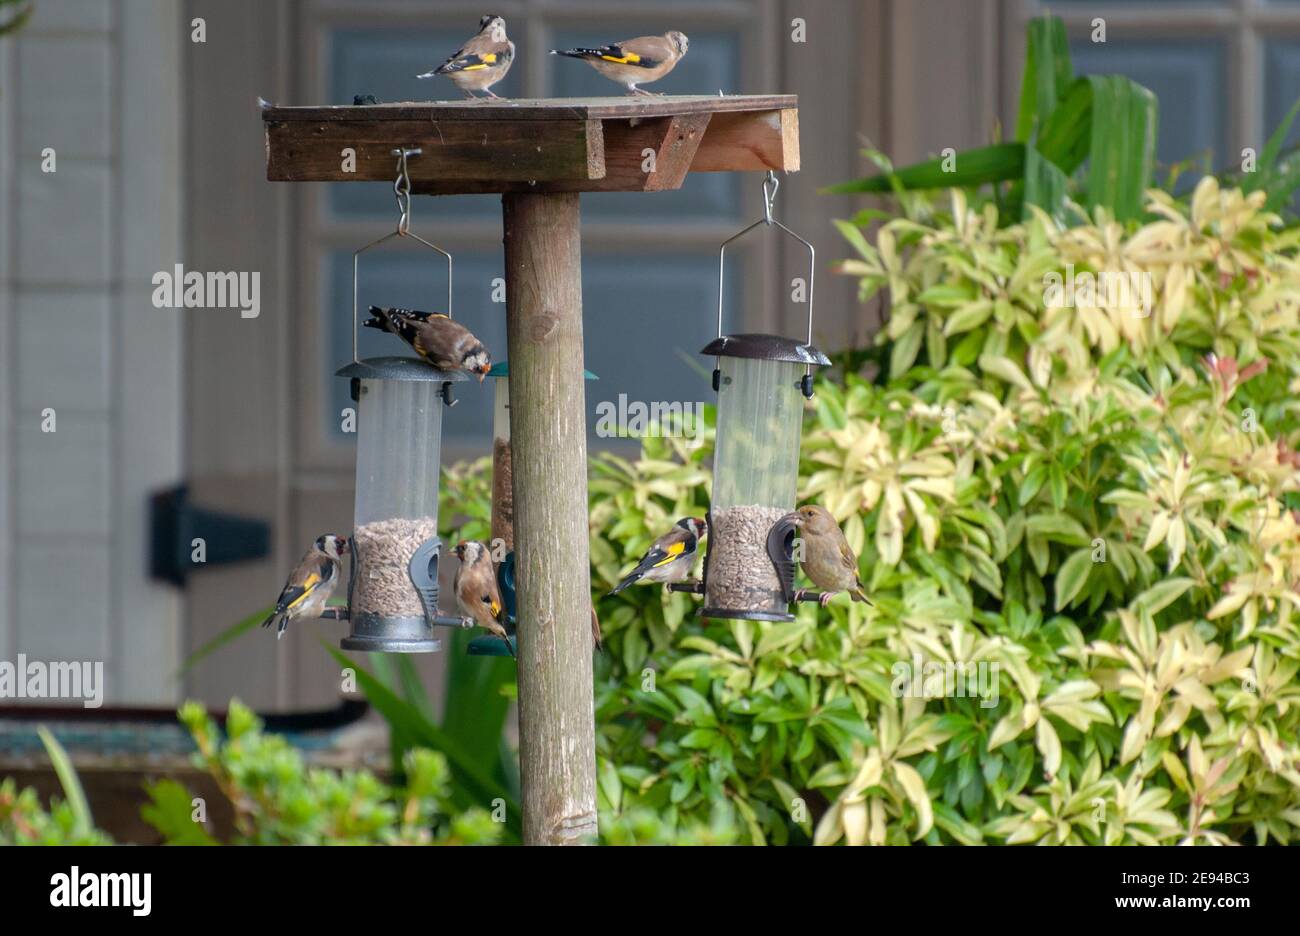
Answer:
x=755 y=474
x=399 y=438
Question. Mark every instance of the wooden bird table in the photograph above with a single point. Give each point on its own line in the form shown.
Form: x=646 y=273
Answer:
x=540 y=154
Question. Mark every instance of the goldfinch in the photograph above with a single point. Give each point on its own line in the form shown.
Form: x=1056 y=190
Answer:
x=476 y=589
x=635 y=61
x=481 y=62
x=310 y=585
x=438 y=339
x=670 y=557
x=828 y=560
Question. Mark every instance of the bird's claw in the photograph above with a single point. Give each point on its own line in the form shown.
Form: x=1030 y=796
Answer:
x=825 y=599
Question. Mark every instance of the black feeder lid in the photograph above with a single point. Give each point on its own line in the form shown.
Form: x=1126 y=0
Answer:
x=398 y=368
x=765 y=348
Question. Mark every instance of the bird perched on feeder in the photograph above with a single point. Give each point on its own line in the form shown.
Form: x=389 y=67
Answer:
x=828 y=559
x=670 y=557
x=635 y=61
x=477 y=593
x=481 y=62
x=310 y=585
x=436 y=337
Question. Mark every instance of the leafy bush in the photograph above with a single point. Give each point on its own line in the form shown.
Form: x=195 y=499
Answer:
x=278 y=800
x=23 y=821
x=1094 y=502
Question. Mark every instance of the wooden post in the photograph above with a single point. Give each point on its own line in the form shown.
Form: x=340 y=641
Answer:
x=548 y=430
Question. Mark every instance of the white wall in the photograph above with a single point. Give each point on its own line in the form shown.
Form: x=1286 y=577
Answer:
x=98 y=81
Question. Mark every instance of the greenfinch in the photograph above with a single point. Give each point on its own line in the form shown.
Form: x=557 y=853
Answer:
x=827 y=558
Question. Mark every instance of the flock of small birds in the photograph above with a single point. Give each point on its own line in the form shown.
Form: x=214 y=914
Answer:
x=827 y=560
x=486 y=58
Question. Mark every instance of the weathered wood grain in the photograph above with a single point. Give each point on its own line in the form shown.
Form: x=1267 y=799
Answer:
x=627 y=143
x=580 y=145
x=557 y=736
x=505 y=150
x=750 y=142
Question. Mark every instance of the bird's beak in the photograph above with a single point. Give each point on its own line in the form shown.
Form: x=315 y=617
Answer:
x=794 y=518
x=345 y=546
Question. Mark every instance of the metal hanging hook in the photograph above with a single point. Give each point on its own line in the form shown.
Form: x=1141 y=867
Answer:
x=402 y=189
x=770 y=184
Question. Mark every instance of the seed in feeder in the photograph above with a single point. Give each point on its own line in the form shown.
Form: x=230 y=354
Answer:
x=384 y=551
x=741 y=575
x=503 y=504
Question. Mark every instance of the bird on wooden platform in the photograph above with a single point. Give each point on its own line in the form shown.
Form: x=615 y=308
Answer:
x=435 y=337
x=477 y=594
x=828 y=559
x=310 y=585
x=481 y=62
x=670 y=557
x=634 y=62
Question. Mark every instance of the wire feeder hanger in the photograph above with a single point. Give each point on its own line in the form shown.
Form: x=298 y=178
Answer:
x=770 y=186
x=402 y=190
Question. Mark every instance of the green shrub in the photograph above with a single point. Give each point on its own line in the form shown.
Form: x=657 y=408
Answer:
x=23 y=821
x=278 y=800
x=1096 y=502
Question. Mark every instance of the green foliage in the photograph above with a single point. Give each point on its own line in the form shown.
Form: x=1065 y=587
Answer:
x=1093 y=501
x=646 y=827
x=278 y=800
x=23 y=821
x=473 y=783
x=170 y=810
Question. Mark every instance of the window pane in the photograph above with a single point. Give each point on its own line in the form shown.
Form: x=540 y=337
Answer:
x=645 y=320
x=1187 y=77
x=712 y=63
x=1281 y=86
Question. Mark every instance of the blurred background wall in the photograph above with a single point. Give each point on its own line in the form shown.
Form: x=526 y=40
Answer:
x=161 y=161
x=91 y=91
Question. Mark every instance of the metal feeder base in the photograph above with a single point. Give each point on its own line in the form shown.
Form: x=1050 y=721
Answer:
x=375 y=634
x=744 y=615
